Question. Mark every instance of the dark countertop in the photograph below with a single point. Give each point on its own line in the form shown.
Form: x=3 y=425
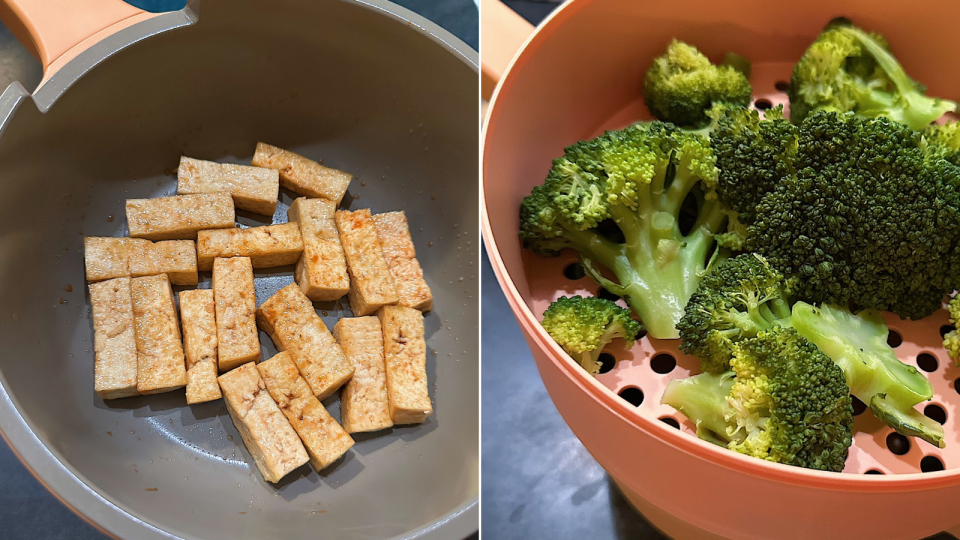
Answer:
x=27 y=510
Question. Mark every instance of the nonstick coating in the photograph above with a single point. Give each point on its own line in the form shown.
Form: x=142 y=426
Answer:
x=333 y=80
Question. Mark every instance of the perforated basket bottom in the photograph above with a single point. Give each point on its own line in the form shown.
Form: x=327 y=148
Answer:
x=639 y=375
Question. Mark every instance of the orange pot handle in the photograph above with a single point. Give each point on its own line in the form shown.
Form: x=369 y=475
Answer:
x=502 y=34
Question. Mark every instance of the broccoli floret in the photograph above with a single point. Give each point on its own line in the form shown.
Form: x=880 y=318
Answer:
x=584 y=326
x=639 y=178
x=871 y=217
x=944 y=140
x=735 y=301
x=951 y=340
x=847 y=69
x=858 y=344
x=783 y=401
x=682 y=85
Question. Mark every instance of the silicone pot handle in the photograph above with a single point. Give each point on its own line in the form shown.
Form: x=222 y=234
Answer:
x=502 y=35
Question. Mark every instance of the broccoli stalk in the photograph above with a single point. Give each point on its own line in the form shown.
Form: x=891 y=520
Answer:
x=584 y=326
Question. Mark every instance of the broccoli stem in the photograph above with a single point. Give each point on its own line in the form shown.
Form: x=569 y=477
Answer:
x=703 y=399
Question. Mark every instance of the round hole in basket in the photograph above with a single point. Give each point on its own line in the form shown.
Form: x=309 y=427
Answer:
x=782 y=86
x=946 y=329
x=763 y=104
x=931 y=464
x=574 y=271
x=894 y=339
x=670 y=421
x=898 y=444
x=607 y=362
x=858 y=406
x=873 y=471
x=927 y=362
x=632 y=395
x=663 y=363
x=935 y=412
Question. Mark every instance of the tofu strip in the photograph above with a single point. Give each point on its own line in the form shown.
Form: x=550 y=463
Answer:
x=322 y=436
x=180 y=216
x=236 y=305
x=109 y=258
x=288 y=316
x=405 y=357
x=364 y=404
x=322 y=270
x=301 y=175
x=198 y=316
x=266 y=433
x=394 y=234
x=267 y=246
x=160 y=361
x=253 y=189
x=114 y=339
x=371 y=283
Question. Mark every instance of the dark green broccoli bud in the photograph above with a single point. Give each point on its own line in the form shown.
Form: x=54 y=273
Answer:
x=584 y=326
x=639 y=178
x=951 y=340
x=857 y=343
x=735 y=301
x=682 y=85
x=849 y=70
x=783 y=401
x=944 y=141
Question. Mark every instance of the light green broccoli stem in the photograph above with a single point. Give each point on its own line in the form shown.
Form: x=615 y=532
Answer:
x=703 y=399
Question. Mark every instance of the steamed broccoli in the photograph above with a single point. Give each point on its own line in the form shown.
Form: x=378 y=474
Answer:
x=858 y=344
x=944 y=140
x=682 y=85
x=847 y=69
x=784 y=401
x=951 y=340
x=639 y=178
x=584 y=326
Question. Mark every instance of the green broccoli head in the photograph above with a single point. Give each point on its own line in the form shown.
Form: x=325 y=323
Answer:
x=849 y=70
x=783 y=401
x=682 y=85
x=584 y=326
x=951 y=340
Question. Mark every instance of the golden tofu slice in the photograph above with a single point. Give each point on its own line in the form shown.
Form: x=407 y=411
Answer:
x=322 y=436
x=394 y=234
x=288 y=316
x=301 y=175
x=322 y=270
x=254 y=189
x=236 y=305
x=109 y=258
x=180 y=216
x=160 y=362
x=405 y=357
x=266 y=433
x=114 y=339
x=198 y=318
x=371 y=283
x=267 y=246
x=364 y=404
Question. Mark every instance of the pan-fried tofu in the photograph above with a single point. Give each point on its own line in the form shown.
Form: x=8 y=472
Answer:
x=288 y=316
x=114 y=339
x=254 y=189
x=266 y=433
x=371 y=283
x=322 y=270
x=394 y=234
x=364 y=405
x=198 y=317
x=405 y=357
x=109 y=258
x=236 y=305
x=180 y=216
x=160 y=362
x=301 y=175
x=322 y=436
x=267 y=246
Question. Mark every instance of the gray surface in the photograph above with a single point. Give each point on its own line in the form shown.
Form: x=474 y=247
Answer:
x=398 y=151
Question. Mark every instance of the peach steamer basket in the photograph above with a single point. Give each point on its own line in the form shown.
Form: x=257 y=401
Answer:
x=580 y=74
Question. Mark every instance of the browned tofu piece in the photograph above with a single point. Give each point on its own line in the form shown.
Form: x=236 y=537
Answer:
x=114 y=339
x=197 y=316
x=301 y=175
x=160 y=362
x=322 y=270
x=266 y=433
x=267 y=246
x=322 y=436
x=364 y=405
x=108 y=258
x=294 y=326
x=394 y=234
x=371 y=283
x=253 y=189
x=180 y=216
x=405 y=357
x=236 y=305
